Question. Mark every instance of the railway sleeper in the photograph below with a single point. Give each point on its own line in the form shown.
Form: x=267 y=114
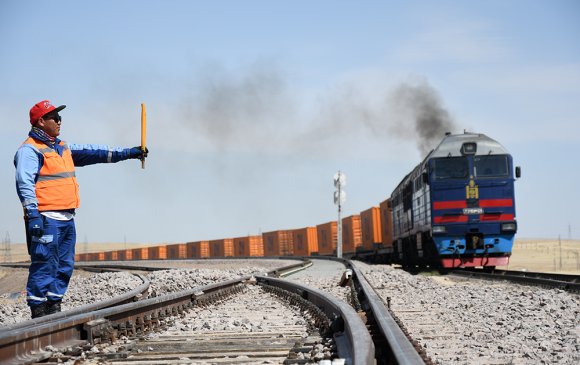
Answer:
x=320 y=319
x=304 y=350
x=101 y=330
x=106 y=330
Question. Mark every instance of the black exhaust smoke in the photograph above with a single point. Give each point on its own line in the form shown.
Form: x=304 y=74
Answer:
x=430 y=120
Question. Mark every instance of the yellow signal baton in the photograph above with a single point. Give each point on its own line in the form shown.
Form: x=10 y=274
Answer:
x=143 y=133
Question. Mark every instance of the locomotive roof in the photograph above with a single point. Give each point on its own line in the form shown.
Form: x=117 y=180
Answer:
x=450 y=146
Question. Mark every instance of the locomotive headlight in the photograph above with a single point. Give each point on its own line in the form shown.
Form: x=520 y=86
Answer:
x=439 y=229
x=469 y=148
x=509 y=227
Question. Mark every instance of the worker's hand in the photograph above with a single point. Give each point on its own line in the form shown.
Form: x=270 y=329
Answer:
x=35 y=225
x=137 y=152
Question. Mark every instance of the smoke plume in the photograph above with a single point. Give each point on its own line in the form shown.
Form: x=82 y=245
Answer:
x=242 y=110
x=257 y=111
x=425 y=118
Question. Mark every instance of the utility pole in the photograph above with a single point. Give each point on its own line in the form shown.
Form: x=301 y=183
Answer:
x=560 y=243
x=7 y=248
x=339 y=199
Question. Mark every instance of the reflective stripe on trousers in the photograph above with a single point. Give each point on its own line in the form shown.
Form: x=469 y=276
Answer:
x=52 y=261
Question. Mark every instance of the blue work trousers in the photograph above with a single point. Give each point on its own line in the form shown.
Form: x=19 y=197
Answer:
x=52 y=261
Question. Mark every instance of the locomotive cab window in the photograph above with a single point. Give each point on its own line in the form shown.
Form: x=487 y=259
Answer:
x=450 y=168
x=491 y=166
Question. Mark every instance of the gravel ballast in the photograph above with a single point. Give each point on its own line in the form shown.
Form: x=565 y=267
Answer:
x=82 y=290
x=90 y=288
x=461 y=321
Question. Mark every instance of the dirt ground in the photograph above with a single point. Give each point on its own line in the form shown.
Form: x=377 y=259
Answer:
x=543 y=255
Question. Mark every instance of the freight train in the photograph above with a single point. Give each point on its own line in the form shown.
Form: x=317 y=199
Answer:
x=454 y=209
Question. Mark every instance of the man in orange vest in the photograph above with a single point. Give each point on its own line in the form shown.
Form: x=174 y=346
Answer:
x=48 y=189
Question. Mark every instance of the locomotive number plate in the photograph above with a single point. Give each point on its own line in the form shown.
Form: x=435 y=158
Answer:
x=472 y=211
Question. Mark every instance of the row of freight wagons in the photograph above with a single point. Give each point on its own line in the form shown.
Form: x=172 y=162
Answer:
x=370 y=230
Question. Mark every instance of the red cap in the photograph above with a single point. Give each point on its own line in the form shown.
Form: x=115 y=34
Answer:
x=42 y=108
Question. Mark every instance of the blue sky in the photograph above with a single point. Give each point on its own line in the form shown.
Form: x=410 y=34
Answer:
x=254 y=105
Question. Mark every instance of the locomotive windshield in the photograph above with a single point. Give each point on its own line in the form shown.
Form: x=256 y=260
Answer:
x=491 y=166
x=450 y=168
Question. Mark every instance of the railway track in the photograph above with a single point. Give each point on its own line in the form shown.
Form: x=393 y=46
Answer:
x=167 y=334
x=252 y=328
x=569 y=283
x=138 y=293
x=266 y=319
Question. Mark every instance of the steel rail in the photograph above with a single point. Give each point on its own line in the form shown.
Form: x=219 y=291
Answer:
x=572 y=278
x=399 y=349
x=290 y=269
x=564 y=282
x=283 y=271
x=134 y=295
x=97 y=266
x=17 y=346
x=354 y=342
x=23 y=343
x=279 y=272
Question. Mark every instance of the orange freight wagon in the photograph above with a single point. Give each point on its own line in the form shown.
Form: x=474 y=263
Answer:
x=327 y=235
x=305 y=241
x=127 y=255
x=278 y=243
x=141 y=253
x=248 y=246
x=221 y=248
x=157 y=253
x=256 y=246
x=144 y=253
x=122 y=255
x=109 y=256
x=386 y=224
x=177 y=251
x=351 y=237
x=370 y=221
x=198 y=250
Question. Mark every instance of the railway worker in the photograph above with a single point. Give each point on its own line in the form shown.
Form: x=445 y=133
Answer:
x=48 y=190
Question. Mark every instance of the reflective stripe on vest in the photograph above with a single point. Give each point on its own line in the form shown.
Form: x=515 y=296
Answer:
x=56 y=176
x=56 y=186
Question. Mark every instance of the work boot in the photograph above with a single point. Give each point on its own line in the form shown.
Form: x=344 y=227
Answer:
x=38 y=310
x=52 y=307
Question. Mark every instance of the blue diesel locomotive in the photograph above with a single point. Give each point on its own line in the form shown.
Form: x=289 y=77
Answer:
x=457 y=207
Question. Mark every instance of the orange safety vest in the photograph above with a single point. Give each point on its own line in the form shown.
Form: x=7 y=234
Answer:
x=56 y=187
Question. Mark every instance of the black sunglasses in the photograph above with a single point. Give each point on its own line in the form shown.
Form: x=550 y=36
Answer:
x=56 y=117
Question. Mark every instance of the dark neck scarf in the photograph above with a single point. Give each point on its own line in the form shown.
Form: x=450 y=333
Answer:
x=41 y=135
